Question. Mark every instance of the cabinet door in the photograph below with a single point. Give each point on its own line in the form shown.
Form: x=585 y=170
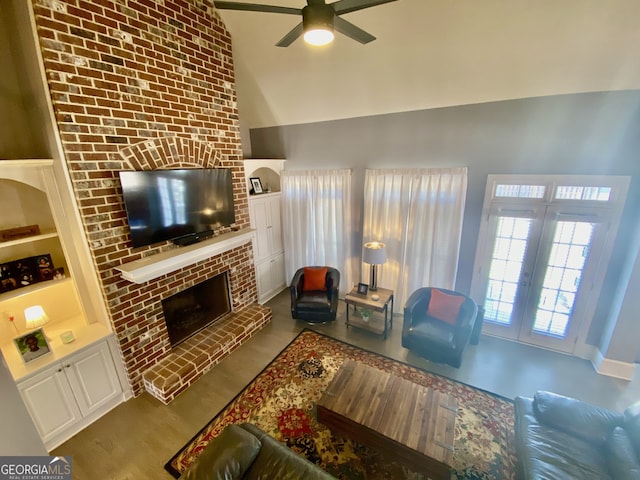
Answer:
x=275 y=222
x=261 y=222
x=277 y=273
x=93 y=378
x=50 y=402
x=263 y=279
x=270 y=277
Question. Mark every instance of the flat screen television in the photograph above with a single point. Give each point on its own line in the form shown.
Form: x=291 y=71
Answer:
x=176 y=204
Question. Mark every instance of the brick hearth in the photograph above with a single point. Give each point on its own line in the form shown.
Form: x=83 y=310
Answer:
x=194 y=357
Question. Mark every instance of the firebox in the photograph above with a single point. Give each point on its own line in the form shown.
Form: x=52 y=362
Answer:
x=195 y=308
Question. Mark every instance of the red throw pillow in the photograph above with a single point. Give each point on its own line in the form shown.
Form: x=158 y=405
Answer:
x=315 y=279
x=444 y=307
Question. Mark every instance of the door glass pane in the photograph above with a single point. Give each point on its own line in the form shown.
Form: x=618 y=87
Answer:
x=506 y=267
x=562 y=277
x=600 y=194
x=520 y=191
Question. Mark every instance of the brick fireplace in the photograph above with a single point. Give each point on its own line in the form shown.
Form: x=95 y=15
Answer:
x=146 y=85
x=189 y=311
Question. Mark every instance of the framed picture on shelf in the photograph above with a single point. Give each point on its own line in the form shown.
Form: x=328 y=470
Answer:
x=363 y=288
x=25 y=271
x=32 y=345
x=256 y=185
x=45 y=266
x=8 y=281
x=58 y=273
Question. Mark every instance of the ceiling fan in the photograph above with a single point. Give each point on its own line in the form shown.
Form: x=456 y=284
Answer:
x=318 y=19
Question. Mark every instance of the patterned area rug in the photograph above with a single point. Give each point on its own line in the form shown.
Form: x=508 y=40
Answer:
x=281 y=401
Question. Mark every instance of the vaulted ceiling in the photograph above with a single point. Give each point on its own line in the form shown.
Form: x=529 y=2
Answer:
x=432 y=53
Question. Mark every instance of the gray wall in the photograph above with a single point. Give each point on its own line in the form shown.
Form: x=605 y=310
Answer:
x=589 y=134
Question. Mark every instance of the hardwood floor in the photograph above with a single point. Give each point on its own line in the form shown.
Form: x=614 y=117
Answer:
x=134 y=440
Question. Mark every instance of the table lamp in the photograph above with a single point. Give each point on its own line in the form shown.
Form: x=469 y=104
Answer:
x=374 y=254
x=35 y=317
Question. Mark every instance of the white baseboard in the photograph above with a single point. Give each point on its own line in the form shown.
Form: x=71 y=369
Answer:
x=612 y=368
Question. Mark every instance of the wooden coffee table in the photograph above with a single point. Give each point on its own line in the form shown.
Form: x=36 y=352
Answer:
x=408 y=422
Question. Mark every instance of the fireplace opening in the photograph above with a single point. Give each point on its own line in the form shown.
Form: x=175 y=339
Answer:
x=195 y=308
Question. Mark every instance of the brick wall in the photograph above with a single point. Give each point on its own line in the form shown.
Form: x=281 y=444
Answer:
x=142 y=84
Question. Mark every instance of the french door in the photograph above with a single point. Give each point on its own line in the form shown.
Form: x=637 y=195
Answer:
x=540 y=262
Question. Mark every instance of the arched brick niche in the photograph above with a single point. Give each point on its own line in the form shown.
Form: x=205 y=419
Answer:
x=172 y=152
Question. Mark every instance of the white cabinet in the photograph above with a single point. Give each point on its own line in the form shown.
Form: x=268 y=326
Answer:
x=270 y=277
x=265 y=213
x=66 y=396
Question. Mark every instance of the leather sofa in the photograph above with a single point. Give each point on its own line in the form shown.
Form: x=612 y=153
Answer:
x=559 y=437
x=244 y=451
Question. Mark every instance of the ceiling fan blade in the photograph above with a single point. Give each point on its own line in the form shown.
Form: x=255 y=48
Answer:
x=351 y=31
x=254 y=7
x=290 y=37
x=348 y=6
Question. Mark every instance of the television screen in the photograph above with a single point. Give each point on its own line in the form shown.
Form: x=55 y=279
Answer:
x=168 y=204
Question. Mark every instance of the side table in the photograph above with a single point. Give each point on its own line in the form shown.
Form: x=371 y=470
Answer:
x=365 y=301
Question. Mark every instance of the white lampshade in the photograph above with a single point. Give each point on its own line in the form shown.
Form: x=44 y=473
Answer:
x=35 y=317
x=374 y=253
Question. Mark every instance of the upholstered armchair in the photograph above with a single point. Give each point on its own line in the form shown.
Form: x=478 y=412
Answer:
x=437 y=325
x=314 y=294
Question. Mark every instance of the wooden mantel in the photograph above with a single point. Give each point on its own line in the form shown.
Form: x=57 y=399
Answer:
x=145 y=269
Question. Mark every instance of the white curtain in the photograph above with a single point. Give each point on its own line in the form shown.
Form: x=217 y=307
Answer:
x=317 y=221
x=418 y=214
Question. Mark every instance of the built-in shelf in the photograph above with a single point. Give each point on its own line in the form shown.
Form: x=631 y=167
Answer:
x=145 y=269
x=18 y=292
x=29 y=239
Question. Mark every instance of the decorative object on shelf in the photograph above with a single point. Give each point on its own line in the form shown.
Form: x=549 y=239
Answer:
x=256 y=185
x=45 y=267
x=363 y=288
x=16 y=233
x=67 y=336
x=365 y=313
x=374 y=254
x=25 y=272
x=32 y=345
x=375 y=297
x=12 y=318
x=7 y=280
x=58 y=273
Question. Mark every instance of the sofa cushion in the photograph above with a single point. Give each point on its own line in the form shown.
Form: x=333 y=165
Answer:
x=632 y=425
x=277 y=461
x=622 y=461
x=544 y=452
x=313 y=301
x=555 y=454
x=438 y=332
x=444 y=307
x=315 y=278
x=226 y=457
x=576 y=417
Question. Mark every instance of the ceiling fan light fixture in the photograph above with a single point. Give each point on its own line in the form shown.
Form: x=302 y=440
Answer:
x=318 y=37
x=317 y=21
